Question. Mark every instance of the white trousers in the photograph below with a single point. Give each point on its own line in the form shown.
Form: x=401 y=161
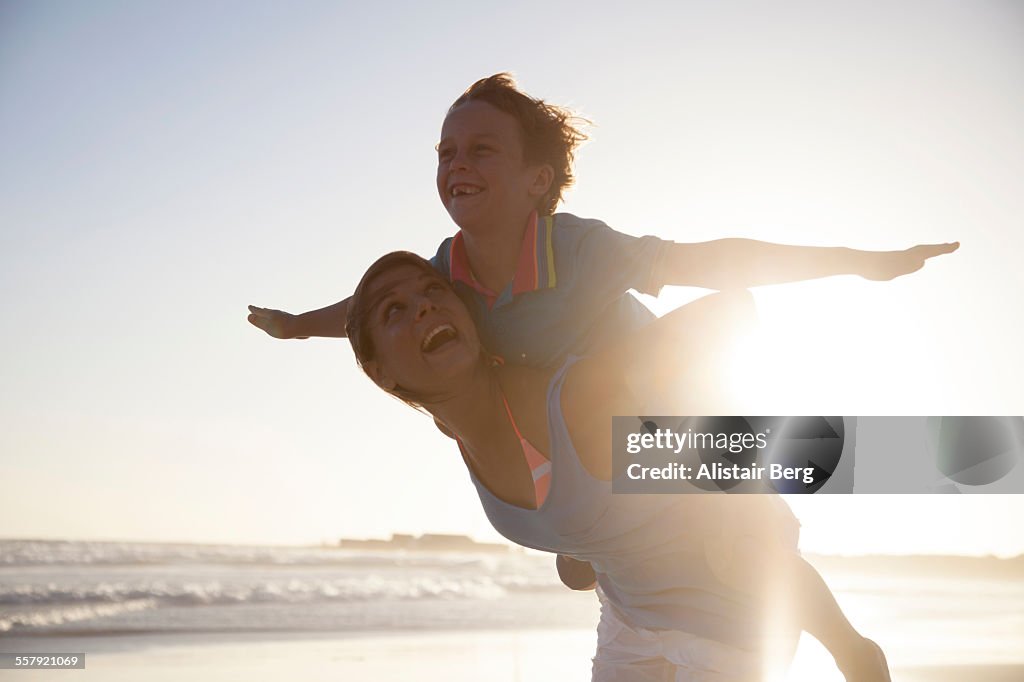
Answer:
x=630 y=654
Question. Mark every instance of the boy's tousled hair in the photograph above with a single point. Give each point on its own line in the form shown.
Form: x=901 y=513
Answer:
x=551 y=134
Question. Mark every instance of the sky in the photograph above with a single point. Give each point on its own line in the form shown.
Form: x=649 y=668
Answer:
x=162 y=165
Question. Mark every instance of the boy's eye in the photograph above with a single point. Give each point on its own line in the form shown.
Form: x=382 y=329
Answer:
x=392 y=309
x=434 y=287
x=484 y=148
x=444 y=154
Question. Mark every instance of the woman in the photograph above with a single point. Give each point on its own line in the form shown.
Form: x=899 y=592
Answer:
x=681 y=602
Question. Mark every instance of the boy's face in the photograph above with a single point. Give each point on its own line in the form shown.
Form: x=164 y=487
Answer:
x=482 y=177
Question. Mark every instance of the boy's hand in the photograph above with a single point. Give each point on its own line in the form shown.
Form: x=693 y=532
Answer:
x=885 y=265
x=277 y=323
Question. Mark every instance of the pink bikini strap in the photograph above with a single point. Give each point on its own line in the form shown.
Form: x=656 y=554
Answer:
x=540 y=466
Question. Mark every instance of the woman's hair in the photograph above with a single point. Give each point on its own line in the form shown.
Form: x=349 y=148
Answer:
x=551 y=133
x=360 y=307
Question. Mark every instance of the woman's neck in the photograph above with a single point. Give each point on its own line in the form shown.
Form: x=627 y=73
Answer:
x=474 y=408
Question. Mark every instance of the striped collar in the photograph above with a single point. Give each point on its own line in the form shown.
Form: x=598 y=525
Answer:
x=535 y=269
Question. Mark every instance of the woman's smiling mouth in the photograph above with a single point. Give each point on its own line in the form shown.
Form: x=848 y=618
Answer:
x=438 y=337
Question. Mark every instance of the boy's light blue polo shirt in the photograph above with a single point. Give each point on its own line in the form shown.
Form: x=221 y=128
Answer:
x=570 y=291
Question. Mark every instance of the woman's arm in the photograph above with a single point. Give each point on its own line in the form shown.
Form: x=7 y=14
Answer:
x=674 y=365
x=684 y=353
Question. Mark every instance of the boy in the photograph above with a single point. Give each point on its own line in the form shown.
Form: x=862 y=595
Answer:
x=504 y=159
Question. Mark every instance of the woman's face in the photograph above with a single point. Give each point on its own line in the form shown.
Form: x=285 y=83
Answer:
x=422 y=334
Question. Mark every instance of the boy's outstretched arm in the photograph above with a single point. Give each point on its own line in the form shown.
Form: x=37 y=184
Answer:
x=329 y=321
x=743 y=263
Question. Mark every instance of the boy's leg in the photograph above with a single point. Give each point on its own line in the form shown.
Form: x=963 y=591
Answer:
x=858 y=658
x=756 y=552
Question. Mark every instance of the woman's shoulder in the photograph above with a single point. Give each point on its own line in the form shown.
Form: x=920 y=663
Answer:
x=522 y=382
x=593 y=393
x=590 y=380
x=596 y=384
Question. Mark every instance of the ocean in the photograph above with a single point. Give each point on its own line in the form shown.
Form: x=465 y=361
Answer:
x=925 y=611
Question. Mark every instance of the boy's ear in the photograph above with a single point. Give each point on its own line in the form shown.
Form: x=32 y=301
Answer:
x=542 y=180
x=379 y=376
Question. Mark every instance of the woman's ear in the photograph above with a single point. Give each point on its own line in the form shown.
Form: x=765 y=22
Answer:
x=379 y=376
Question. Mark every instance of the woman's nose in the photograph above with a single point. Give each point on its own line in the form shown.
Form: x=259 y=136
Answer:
x=423 y=306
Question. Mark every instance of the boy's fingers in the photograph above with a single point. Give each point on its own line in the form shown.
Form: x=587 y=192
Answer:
x=273 y=322
x=940 y=249
x=946 y=248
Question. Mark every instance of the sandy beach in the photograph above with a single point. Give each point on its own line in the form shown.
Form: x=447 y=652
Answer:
x=499 y=656
x=452 y=656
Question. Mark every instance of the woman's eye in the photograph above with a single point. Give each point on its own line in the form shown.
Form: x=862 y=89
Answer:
x=391 y=310
x=434 y=287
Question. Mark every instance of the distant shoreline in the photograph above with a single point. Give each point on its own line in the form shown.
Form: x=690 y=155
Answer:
x=1015 y=563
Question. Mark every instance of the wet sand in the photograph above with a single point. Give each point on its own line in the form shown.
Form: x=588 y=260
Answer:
x=451 y=656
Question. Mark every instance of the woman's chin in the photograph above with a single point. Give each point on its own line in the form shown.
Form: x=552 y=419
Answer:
x=452 y=360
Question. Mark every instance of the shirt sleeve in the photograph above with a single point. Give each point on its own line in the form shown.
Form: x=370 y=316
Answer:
x=440 y=260
x=611 y=261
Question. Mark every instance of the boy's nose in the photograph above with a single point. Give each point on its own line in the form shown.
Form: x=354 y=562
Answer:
x=458 y=161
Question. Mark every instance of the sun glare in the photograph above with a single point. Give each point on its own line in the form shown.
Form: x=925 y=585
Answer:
x=812 y=663
x=840 y=345
x=814 y=350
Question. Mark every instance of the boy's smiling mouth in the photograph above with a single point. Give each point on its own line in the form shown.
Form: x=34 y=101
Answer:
x=461 y=189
